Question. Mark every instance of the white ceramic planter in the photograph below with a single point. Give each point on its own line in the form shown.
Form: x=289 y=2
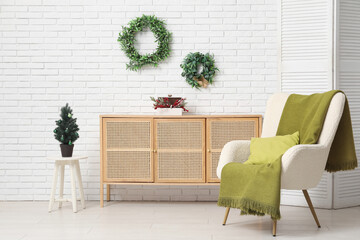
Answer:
x=169 y=111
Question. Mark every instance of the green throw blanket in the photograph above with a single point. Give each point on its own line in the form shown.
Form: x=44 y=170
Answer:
x=255 y=189
x=306 y=114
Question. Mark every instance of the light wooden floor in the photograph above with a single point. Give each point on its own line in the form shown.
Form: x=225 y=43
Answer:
x=170 y=221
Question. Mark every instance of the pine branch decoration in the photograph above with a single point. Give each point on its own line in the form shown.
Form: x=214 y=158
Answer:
x=66 y=131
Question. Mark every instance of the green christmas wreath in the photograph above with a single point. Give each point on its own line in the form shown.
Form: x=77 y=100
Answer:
x=190 y=67
x=127 y=40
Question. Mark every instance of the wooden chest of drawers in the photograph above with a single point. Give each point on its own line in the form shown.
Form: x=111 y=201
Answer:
x=168 y=149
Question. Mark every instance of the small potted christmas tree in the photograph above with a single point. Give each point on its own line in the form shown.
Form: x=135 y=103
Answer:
x=66 y=131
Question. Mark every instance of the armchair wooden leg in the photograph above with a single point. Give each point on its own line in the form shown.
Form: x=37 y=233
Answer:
x=226 y=215
x=308 y=200
x=274 y=227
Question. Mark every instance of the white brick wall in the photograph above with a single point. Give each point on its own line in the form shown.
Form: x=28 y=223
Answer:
x=53 y=52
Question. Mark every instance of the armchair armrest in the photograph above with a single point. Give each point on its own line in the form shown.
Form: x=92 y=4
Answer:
x=303 y=165
x=234 y=151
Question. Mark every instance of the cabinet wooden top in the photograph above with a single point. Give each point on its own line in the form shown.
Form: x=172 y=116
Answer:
x=182 y=116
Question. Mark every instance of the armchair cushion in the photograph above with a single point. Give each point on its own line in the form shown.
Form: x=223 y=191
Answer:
x=265 y=150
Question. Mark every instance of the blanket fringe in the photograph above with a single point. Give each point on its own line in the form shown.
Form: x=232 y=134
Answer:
x=342 y=167
x=249 y=206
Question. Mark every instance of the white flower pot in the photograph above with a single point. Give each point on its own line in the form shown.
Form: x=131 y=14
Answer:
x=169 y=111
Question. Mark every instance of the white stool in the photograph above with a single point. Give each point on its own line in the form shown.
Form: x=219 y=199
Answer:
x=74 y=165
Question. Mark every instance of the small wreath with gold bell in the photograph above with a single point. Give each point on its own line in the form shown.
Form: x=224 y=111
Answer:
x=199 y=69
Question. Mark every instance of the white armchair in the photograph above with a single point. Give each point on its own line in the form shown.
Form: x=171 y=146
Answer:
x=302 y=165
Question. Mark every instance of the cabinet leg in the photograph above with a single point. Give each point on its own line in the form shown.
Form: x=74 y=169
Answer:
x=101 y=195
x=108 y=192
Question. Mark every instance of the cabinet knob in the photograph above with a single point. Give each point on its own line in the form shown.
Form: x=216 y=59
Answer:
x=154 y=151
x=209 y=150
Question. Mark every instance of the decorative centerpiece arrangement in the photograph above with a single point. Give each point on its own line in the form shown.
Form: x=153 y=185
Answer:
x=199 y=69
x=127 y=40
x=169 y=105
x=66 y=131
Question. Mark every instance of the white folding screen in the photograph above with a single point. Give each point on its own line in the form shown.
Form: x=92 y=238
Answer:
x=319 y=50
x=305 y=50
x=347 y=55
x=305 y=66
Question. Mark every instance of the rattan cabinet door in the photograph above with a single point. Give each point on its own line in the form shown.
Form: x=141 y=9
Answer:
x=223 y=130
x=127 y=149
x=179 y=150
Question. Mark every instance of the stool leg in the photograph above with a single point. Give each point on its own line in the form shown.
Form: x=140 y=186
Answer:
x=53 y=190
x=81 y=189
x=73 y=186
x=62 y=171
